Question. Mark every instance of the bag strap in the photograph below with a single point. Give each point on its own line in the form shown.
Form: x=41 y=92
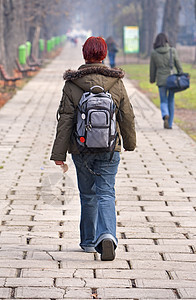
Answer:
x=170 y=61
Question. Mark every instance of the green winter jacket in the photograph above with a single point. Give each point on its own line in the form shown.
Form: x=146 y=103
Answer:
x=159 y=64
x=82 y=80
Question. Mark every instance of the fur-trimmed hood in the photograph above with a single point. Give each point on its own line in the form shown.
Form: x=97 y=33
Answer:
x=93 y=69
x=89 y=74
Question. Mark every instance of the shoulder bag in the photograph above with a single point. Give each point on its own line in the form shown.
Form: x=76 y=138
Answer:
x=177 y=82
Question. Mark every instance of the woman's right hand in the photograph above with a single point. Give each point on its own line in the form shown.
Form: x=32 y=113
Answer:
x=62 y=165
x=59 y=162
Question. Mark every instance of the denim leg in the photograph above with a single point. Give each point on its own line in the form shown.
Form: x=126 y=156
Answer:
x=89 y=207
x=97 y=195
x=112 y=59
x=171 y=107
x=164 y=101
x=106 y=224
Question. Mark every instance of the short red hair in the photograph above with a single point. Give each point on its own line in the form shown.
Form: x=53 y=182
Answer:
x=94 y=49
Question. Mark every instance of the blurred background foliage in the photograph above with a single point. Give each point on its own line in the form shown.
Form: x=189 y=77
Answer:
x=22 y=21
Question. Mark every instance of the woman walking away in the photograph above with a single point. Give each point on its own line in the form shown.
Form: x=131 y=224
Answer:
x=159 y=71
x=95 y=171
x=112 y=50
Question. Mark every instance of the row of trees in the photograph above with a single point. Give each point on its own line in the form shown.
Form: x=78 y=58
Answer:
x=149 y=18
x=111 y=17
x=22 y=21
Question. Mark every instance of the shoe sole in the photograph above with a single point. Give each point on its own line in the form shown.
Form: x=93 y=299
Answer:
x=166 y=123
x=108 y=252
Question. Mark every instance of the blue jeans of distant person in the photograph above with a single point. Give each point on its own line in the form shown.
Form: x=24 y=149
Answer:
x=167 y=103
x=111 y=56
x=96 y=179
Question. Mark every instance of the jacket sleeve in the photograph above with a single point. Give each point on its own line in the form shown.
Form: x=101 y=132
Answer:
x=177 y=63
x=152 y=69
x=126 y=121
x=64 y=128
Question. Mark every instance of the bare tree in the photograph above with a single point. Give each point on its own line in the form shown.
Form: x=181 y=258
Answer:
x=34 y=14
x=170 y=20
x=148 y=25
x=195 y=20
x=2 y=46
x=46 y=18
x=22 y=20
x=13 y=31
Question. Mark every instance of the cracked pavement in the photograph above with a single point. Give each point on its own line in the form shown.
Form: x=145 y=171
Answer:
x=40 y=210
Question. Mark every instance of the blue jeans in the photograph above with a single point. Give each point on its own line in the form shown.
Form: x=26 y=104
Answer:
x=167 y=103
x=111 y=56
x=97 y=196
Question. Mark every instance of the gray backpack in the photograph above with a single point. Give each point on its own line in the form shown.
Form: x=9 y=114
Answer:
x=96 y=122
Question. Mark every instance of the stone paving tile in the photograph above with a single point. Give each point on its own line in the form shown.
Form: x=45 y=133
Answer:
x=97 y=264
x=40 y=292
x=5 y=293
x=27 y=247
x=187 y=293
x=60 y=255
x=57 y=273
x=151 y=235
x=184 y=275
x=16 y=254
x=131 y=274
x=187 y=241
x=78 y=293
x=160 y=248
x=164 y=265
x=28 y=234
x=165 y=284
x=19 y=264
x=38 y=282
x=99 y=282
x=40 y=212
x=7 y=272
x=180 y=257
x=138 y=256
x=119 y=293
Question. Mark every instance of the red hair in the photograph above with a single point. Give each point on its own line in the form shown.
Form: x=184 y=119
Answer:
x=94 y=49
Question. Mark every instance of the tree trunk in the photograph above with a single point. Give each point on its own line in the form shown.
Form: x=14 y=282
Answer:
x=195 y=20
x=2 y=47
x=144 y=28
x=148 y=26
x=35 y=44
x=170 y=20
x=152 y=18
x=14 y=32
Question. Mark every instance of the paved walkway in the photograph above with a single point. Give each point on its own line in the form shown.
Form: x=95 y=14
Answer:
x=156 y=206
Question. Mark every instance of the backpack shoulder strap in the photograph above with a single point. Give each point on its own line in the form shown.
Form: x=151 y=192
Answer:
x=170 y=61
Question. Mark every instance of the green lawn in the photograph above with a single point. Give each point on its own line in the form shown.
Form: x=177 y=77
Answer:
x=185 y=99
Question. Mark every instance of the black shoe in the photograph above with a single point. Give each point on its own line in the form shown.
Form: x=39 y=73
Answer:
x=108 y=252
x=166 y=123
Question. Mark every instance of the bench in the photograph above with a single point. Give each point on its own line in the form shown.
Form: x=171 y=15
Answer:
x=37 y=60
x=25 y=71
x=33 y=62
x=7 y=79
